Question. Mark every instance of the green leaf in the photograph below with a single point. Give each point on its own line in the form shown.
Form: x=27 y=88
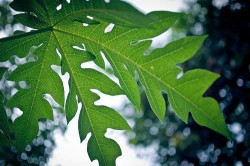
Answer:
x=61 y=39
x=185 y=93
x=93 y=119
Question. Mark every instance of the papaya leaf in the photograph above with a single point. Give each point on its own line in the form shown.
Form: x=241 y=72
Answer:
x=77 y=33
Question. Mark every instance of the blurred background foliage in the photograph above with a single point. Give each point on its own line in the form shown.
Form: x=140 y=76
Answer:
x=226 y=51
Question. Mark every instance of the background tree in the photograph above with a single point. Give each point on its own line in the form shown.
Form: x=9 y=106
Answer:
x=226 y=51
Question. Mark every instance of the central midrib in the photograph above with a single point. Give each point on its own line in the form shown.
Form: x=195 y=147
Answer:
x=35 y=93
x=82 y=98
